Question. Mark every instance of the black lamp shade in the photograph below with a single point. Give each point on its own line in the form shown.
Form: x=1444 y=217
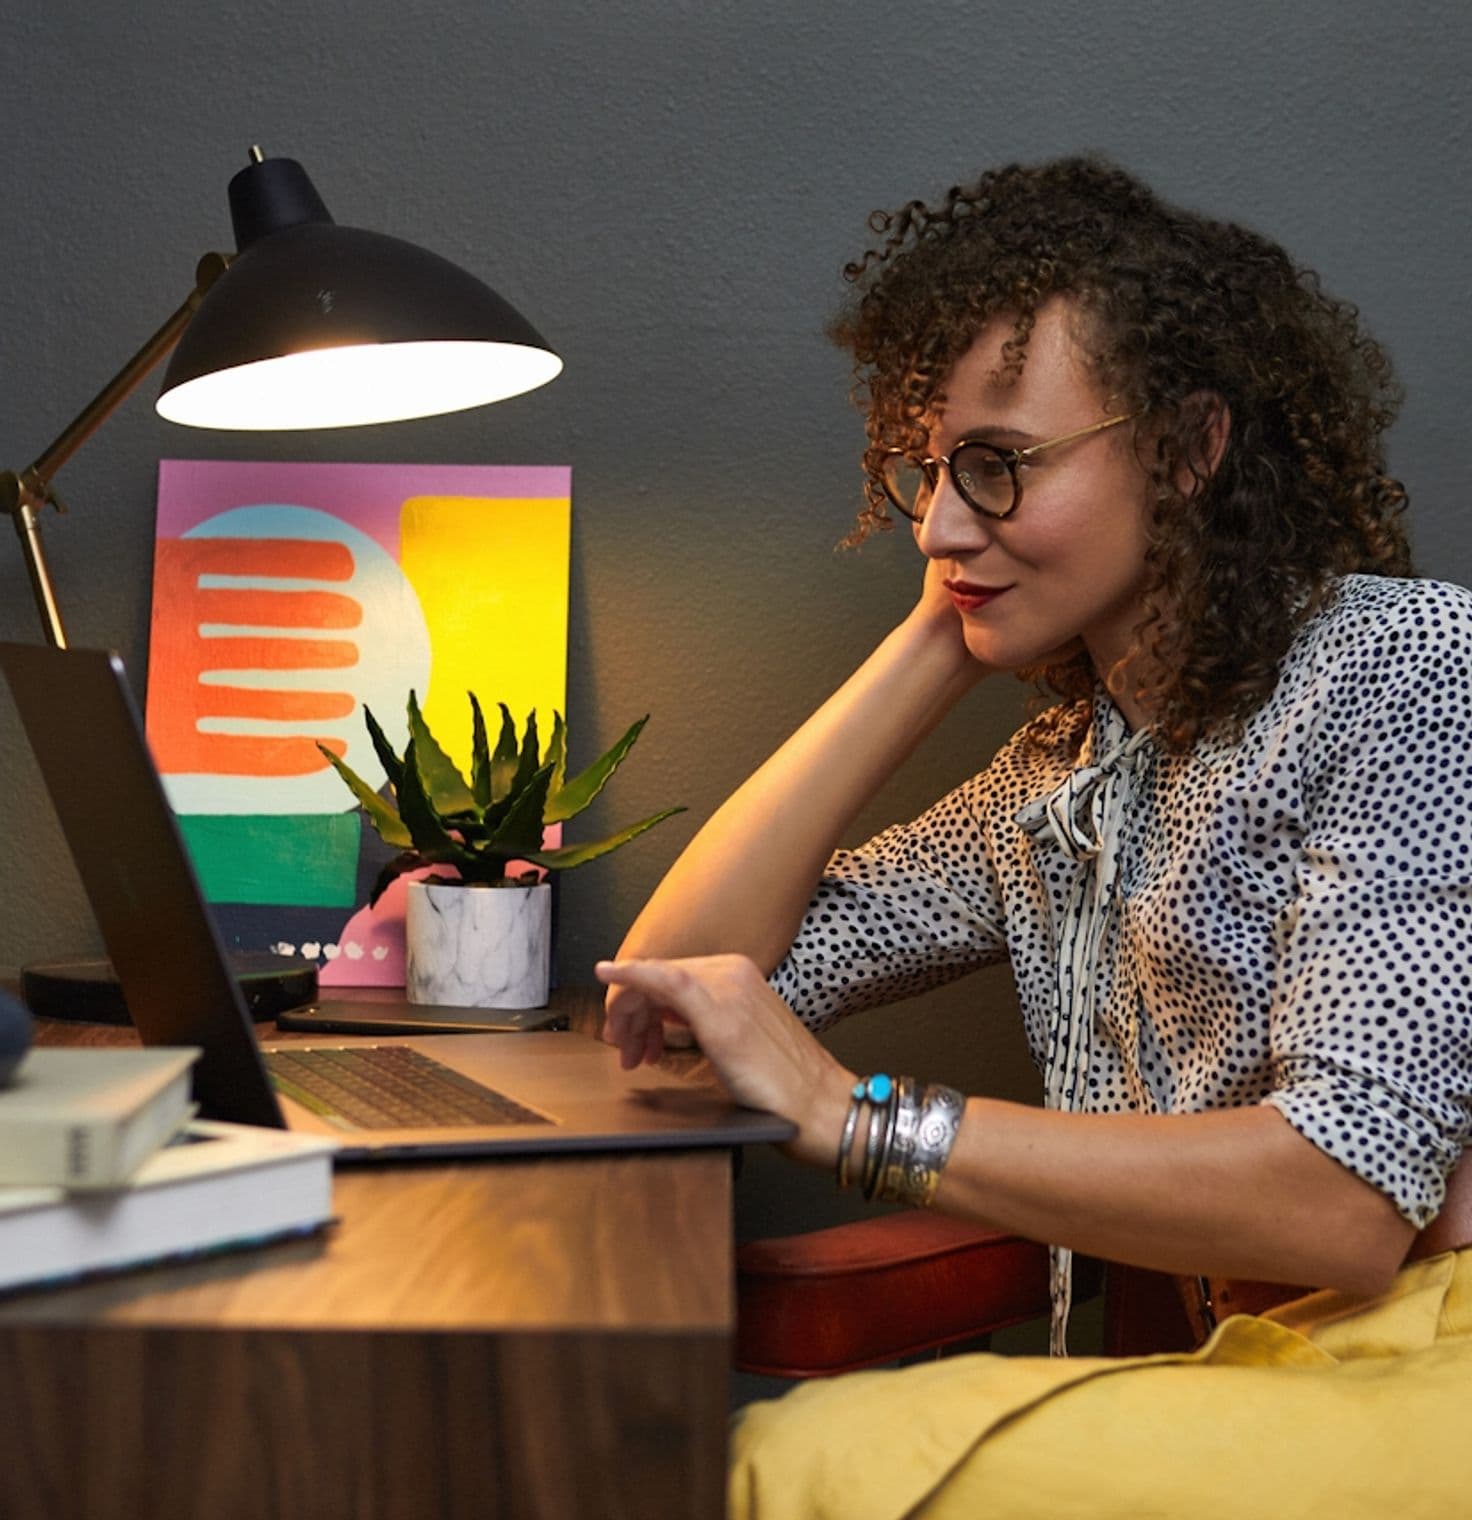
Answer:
x=316 y=325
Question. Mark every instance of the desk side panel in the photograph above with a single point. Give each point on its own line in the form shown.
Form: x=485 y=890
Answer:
x=121 y=1422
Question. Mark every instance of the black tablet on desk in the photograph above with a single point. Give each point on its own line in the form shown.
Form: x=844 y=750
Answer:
x=389 y=1015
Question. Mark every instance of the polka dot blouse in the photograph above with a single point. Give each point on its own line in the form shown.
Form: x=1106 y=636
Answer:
x=1285 y=919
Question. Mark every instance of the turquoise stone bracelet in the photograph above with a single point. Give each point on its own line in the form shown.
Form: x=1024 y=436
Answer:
x=876 y=1090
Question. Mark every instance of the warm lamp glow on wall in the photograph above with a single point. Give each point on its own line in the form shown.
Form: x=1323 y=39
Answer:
x=308 y=325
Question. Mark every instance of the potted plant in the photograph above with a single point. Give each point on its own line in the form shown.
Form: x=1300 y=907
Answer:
x=479 y=935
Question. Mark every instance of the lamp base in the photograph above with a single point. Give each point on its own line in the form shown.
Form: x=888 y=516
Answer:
x=87 y=992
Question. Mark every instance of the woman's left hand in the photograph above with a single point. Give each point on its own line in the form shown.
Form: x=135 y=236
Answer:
x=757 y=1046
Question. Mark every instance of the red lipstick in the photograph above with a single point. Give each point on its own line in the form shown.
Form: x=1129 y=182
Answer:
x=970 y=597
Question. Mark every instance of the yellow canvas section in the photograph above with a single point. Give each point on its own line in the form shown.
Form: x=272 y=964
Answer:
x=491 y=574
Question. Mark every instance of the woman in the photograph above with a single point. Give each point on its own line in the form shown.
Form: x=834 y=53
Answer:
x=1141 y=452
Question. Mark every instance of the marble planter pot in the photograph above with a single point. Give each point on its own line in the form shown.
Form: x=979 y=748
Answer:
x=478 y=947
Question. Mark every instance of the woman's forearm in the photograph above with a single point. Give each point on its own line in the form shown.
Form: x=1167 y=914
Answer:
x=1233 y=1193
x=743 y=882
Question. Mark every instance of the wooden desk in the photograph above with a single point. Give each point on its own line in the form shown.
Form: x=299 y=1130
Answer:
x=485 y=1339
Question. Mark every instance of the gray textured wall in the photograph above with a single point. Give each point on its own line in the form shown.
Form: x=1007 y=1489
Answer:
x=669 y=189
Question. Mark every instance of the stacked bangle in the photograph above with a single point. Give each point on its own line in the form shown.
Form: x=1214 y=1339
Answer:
x=911 y=1129
x=876 y=1090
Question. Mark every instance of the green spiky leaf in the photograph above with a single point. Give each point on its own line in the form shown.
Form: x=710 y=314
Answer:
x=565 y=857
x=521 y=828
x=529 y=762
x=383 y=818
x=426 y=829
x=393 y=767
x=494 y=816
x=557 y=753
x=443 y=784
x=504 y=761
x=572 y=798
x=480 y=767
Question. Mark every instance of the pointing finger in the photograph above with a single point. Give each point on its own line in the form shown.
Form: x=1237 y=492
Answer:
x=659 y=981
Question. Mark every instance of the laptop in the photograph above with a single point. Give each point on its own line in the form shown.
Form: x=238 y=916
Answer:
x=523 y=1093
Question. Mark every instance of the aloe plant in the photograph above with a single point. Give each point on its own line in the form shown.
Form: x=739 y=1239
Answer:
x=481 y=825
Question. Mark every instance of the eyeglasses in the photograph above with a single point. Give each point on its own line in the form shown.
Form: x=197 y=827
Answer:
x=984 y=474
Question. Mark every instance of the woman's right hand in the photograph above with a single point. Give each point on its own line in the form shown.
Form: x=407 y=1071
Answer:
x=936 y=614
x=760 y=1051
x=935 y=604
x=937 y=611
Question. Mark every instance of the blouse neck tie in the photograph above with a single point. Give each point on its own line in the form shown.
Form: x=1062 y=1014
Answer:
x=1082 y=814
x=1083 y=818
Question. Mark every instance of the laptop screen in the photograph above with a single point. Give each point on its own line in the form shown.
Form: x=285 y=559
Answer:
x=88 y=737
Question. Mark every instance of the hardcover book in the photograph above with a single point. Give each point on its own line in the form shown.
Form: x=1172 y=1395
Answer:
x=87 y=1118
x=214 y=1187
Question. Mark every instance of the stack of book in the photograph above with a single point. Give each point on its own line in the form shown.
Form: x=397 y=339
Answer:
x=104 y=1168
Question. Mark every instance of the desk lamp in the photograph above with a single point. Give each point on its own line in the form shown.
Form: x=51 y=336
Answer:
x=307 y=325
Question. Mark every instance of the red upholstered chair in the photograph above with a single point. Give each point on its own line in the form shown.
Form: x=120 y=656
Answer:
x=899 y=1285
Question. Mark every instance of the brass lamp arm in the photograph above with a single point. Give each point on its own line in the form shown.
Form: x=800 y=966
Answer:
x=24 y=495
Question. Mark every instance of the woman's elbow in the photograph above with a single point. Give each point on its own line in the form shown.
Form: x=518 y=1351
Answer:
x=1350 y=1237
x=1363 y=1254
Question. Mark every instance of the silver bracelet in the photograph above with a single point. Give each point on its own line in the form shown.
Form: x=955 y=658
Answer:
x=880 y=1117
x=846 y=1144
x=876 y=1090
x=941 y=1111
x=880 y=1139
x=900 y=1143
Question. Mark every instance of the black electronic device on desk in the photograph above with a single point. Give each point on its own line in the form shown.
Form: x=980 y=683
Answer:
x=89 y=991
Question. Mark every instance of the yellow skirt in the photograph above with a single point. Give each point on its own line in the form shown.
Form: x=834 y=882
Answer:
x=1328 y=1407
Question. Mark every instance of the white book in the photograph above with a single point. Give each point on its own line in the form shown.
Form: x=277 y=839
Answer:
x=214 y=1187
x=87 y=1117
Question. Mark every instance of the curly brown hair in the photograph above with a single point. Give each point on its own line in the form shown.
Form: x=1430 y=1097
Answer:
x=1178 y=310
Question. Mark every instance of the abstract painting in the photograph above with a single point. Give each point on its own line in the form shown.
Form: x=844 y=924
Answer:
x=286 y=596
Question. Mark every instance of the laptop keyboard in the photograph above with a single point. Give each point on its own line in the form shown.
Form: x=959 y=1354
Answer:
x=389 y=1087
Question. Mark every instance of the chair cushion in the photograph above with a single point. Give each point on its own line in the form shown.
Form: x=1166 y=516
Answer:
x=879 y=1289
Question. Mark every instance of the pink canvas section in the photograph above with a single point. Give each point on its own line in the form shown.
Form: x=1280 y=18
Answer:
x=370 y=949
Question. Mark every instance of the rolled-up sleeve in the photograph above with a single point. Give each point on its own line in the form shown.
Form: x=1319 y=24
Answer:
x=916 y=906
x=1371 y=1017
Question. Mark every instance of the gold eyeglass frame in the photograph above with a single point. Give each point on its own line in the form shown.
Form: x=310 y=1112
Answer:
x=930 y=467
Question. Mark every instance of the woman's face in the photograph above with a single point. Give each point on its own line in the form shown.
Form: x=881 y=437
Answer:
x=1070 y=562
